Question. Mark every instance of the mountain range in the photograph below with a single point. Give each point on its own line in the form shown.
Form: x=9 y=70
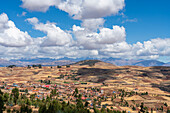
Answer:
x=67 y=61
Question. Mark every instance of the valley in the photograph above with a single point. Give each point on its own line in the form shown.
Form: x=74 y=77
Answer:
x=101 y=84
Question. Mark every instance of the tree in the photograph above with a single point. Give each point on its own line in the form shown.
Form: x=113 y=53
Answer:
x=24 y=108
x=126 y=104
x=67 y=66
x=112 y=98
x=53 y=92
x=58 y=66
x=15 y=93
x=1 y=104
x=76 y=91
x=79 y=104
x=80 y=95
x=28 y=66
x=142 y=107
x=6 y=97
x=28 y=102
x=8 y=110
x=63 y=104
x=96 y=110
x=11 y=66
x=48 y=82
x=146 y=93
x=32 y=97
x=39 y=65
x=133 y=108
x=26 y=91
x=54 y=107
x=162 y=109
x=166 y=104
x=33 y=66
x=86 y=104
x=121 y=99
x=41 y=81
x=103 y=110
x=1 y=93
x=168 y=111
x=48 y=99
x=151 y=110
x=68 y=103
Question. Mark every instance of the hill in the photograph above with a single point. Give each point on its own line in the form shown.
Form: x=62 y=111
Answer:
x=93 y=63
x=157 y=76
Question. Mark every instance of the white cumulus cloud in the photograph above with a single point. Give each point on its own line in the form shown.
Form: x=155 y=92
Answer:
x=33 y=20
x=93 y=24
x=78 y=9
x=3 y=22
x=55 y=35
x=10 y=35
x=38 y=5
x=94 y=40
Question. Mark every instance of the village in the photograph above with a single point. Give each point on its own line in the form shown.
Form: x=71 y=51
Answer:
x=63 y=83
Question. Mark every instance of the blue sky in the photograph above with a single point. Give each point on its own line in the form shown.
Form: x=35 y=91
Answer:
x=143 y=21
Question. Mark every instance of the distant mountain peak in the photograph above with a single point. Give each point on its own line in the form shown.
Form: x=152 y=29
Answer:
x=147 y=63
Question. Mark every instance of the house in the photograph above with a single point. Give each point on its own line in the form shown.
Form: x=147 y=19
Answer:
x=46 y=86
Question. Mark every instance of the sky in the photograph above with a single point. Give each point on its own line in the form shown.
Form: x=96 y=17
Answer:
x=131 y=29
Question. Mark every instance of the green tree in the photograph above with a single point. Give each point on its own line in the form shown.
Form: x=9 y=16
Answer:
x=28 y=102
x=26 y=91
x=8 y=110
x=142 y=107
x=28 y=66
x=133 y=108
x=168 y=111
x=126 y=104
x=1 y=93
x=25 y=109
x=6 y=97
x=32 y=97
x=11 y=66
x=76 y=91
x=162 y=109
x=103 y=110
x=67 y=66
x=1 y=104
x=146 y=93
x=112 y=98
x=86 y=104
x=54 y=107
x=39 y=65
x=80 y=95
x=96 y=110
x=79 y=104
x=166 y=104
x=53 y=92
x=15 y=93
x=58 y=66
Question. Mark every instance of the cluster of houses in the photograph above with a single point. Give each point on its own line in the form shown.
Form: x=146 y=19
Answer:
x=101 y=97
